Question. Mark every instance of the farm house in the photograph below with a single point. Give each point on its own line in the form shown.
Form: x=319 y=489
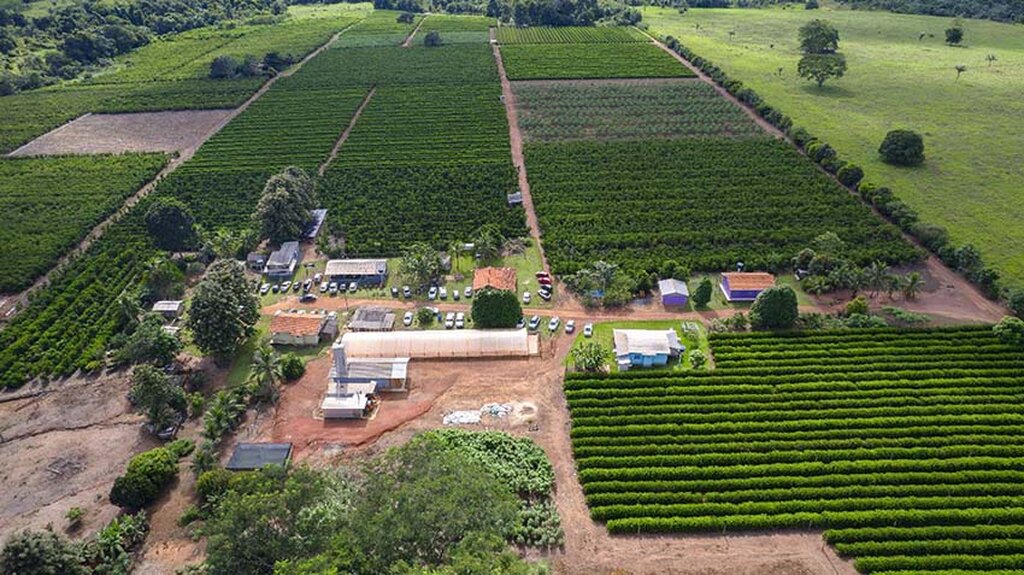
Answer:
x=745 y=286
x=302 y=329
x=673 y=292
x=497 y=278
x=365 y=272
x=645 y=347
x=442 y=344
x=282 y=263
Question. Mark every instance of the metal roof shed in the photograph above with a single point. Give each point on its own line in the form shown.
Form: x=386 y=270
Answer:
x=249 y=456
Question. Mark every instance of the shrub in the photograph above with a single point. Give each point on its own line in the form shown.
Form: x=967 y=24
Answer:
x=850 y=175
x=292 y=367
x=697 y=359
x=702 y=295
x=932 y=236
x=1010 y=330
x=902 y=148
x=774 y=308
x=212 y=484
x=1015 y=300
x=181 y=447
x=433 y=38
x=858 y=305
x=148 y=474
x=496 y=309
x=41 y=553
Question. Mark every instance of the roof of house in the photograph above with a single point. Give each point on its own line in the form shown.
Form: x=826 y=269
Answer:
x=378 y=368
x=437 y=343
x=255 y=455
x=749 y=280
x=371 y=267
x=255 y=257
x=285 y=255
x=297 y=324
x=497 y=278
x=645 y=341
x=317 y=218
x=673 y=287
x=168 y=305
x=372 y=318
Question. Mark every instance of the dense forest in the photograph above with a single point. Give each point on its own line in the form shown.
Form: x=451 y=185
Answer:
x=999 y=10
x=527 y=12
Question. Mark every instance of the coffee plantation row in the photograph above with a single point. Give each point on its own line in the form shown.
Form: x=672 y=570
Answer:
x=49 y=204
x=570 y=35
x=583 y=61
x=706 y=203
x=626 y=109
x=912 y=466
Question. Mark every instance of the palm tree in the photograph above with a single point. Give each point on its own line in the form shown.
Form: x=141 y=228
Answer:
x=454 y=251
x=912 y=285
x=265 y=373
x=128 y=311
x=875 y=275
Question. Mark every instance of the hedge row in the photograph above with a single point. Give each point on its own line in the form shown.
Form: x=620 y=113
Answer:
x=918 y=534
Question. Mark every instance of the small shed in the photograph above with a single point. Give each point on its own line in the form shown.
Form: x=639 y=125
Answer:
x=282 y=263
x=645 y=347
x=497 y=278
x=348 y=400
x=673 y=292
x=365 y=272
x=372 y=318
x=745 y=286
x=301 y=329
x=170 y=309
x=256 y=261
x=316 y=222
x=250 y=456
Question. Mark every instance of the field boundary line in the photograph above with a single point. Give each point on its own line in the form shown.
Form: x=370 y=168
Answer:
x=515 y=139
x=20 y=299
x=348 y=130
x=408 y=40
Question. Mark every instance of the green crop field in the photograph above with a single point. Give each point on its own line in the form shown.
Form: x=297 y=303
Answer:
x=629 y=109
x=380 y=28
x=583 y=61
x=457 y=29
x=49 y=204
x=570 y=35
x=973 y=127
x=906 y=445
x=706 y=203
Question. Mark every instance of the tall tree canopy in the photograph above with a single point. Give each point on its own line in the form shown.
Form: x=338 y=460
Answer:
x=282 y=212
x=224 y=309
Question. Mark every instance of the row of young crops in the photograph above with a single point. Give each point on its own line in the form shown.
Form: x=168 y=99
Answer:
x=456 y=29
x=378 y=29
x=706 y=203
x=910 y=466
x=49 y=204
x=570 y=35
x=583 y=61
x=626 y=109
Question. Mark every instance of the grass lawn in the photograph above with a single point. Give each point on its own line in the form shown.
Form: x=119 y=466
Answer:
x=241 y=365
x=693 y=337
x=973 y=127
x=718 y=301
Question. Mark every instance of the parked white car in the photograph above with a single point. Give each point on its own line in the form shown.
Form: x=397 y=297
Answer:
x=588 y=330
x=554 y=323
x=526 y=297
x=449 y=320
x=407 y=319
x=534 y=322
x=468 y=292
x=460 y=320
x=443 y=292
x=352 y=287
x=432 y=294
x=264 y=289
x=323 y=287
x=332 y=288
x=570 y=326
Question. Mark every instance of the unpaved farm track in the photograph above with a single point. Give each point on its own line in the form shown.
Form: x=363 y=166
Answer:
x=515 y=138
x=408 y=40
x=347 y=131
x=185 y=155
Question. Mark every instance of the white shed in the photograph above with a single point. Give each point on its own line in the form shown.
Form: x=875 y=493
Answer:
x=441 y=344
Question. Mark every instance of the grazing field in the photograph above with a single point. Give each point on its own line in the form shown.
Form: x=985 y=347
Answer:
x=584 y=61
x=551 y=111
x=570 y=35
x=906 y=445
x=428 y=159
x=705 y=203
x=973 y=127
x=49 y=204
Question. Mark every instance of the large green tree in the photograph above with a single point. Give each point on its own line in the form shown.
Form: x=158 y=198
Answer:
x=702 y=295
x=156 y=396
x=149 y=342
x=265 y=374
x=223 y=310
x=41 y=553
x=488 y=242
x=282 y=212
x=819 y=42
x=171 y=224
x=589 y=356
x=818 y=37
x=820 y=68
x=774 y=308
x=421 y=264
x=494 y=309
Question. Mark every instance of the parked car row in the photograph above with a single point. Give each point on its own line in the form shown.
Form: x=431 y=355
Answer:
x=554 y=323
x=544 y=291
x=441 y=292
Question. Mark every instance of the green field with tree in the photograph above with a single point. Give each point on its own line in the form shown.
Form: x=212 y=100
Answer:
x=901 y=75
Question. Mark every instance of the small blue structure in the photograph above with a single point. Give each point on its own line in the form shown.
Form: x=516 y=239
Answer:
x=645 y=347
x=317 y=221
x=745 y=286
x=673 y=292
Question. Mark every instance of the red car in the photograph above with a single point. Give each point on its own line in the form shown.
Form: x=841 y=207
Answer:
x=544 y=281
x=543 y=275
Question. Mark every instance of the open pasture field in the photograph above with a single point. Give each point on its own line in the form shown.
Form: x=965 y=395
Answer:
x=706 y=203
x=118 y=133
x=570 y=35
x=906 y=445
x=551 y=111
x=584 y=61
x=973 y=127
x=49 y=204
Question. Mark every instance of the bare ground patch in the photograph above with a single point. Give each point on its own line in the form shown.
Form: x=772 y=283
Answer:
x=136 y=132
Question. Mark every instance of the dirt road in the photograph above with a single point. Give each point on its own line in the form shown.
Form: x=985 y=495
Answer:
x=347 y=131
